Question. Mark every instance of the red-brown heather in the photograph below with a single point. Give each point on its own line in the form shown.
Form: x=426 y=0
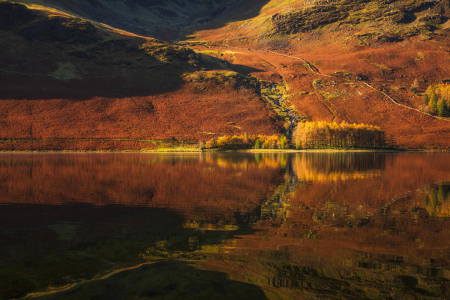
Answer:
x=110 y=81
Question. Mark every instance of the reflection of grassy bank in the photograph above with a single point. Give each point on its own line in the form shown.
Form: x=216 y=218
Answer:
x=189 y=149
x=317 y=151
x=175 y=149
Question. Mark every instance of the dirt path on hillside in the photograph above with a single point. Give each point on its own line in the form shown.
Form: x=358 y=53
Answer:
x=405 y=106
x=317 y=72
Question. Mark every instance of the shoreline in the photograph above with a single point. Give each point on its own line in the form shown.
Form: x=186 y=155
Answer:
x=254 y=151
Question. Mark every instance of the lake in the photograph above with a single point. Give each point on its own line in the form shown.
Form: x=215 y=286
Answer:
x=225 y=226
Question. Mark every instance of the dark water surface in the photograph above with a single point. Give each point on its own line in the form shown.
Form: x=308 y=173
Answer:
x=225 y=226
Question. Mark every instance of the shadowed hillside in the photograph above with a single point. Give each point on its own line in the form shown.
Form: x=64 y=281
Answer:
x=161 y=19
x=66 y=77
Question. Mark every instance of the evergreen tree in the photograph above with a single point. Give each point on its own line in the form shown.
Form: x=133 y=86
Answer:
x=257 y=144
x=425 y=99
x=441 y=109
x=283 y=141
x=433 y=102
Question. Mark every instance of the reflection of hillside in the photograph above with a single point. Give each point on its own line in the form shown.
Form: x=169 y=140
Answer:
x=350 y=238
x=245 y=215
x=55 y=245
x=344 y=250
x=199 y=185
x=396 y=174
x=168 y=280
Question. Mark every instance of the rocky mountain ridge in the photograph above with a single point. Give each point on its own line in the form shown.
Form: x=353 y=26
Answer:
x=162 y=19
x=405 y=17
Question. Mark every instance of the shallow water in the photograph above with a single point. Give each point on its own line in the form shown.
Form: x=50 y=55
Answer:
x=225 y=226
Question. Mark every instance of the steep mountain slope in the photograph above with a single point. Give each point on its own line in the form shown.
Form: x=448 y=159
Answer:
x=351 y=61
x=68 y=78
x=162 y=19
x=228 y=67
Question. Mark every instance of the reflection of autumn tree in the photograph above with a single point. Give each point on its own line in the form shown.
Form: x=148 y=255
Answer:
x=437 y=201
x=320 y=135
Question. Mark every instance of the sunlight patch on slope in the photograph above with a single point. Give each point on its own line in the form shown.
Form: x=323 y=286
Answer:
x=65 y=71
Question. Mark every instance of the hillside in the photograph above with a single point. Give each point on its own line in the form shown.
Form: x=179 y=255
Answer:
x=70 y=79
x=146 y=17
x=88 y=75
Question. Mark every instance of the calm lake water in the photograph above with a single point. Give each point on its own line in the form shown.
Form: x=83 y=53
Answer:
x=225 y=226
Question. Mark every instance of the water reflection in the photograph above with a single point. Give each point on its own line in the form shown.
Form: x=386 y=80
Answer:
x=436 y=200
x=338 y=166
x=333 y=225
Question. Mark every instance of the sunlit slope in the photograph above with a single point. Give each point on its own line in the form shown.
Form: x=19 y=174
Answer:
x=388 y=20
x=68 y=78
x=352 y=61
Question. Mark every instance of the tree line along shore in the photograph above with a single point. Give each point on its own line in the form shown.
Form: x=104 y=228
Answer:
x=309 y=135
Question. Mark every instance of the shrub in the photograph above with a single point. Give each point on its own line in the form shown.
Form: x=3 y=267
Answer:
x=257 y=144
x=210 y=144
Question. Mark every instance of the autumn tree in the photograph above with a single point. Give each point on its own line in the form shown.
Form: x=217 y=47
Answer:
x=437 y=98
x=430 y=90
x=210 y=144
x=322 y=135
x=414 y=86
